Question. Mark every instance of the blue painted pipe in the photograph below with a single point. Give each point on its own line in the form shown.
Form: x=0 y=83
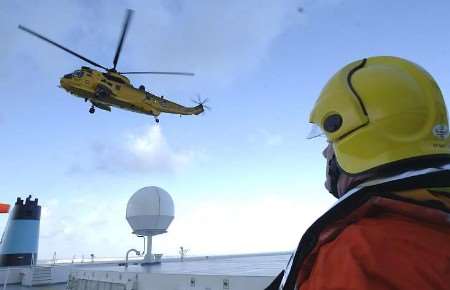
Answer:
x=20 y=239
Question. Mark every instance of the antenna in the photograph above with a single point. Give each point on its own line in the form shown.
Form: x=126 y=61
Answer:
x=150 y=211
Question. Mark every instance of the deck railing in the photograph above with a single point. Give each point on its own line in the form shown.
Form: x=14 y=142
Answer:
x=5 y=281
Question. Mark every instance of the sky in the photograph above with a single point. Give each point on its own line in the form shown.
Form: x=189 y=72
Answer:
x=243 y=177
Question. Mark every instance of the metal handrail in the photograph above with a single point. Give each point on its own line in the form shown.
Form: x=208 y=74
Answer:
x=128 y=252
x=5 y=282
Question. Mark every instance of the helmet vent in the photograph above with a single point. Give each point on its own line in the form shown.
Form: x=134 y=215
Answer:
x=332 y=123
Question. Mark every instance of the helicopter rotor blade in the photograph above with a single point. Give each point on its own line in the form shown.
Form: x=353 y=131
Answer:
x=157 y=73
x=122 y=36
x=60 y=46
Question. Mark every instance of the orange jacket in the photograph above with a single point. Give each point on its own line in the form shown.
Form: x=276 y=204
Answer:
x=384 y=244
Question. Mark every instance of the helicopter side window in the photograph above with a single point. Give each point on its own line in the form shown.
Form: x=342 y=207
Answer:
x=113 y=78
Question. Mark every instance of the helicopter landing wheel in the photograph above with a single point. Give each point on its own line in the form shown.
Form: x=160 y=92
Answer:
x=156 y=120
x=92 y=110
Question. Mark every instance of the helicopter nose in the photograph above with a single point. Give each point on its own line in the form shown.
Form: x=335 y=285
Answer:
x=64 y=83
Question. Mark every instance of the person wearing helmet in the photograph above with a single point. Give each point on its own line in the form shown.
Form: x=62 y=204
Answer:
x=388 y=163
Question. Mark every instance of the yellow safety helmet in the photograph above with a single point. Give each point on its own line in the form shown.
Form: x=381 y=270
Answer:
x=381 y=110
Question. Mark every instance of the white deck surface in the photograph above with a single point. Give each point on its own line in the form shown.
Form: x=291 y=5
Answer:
x=251 y=265
x=243 y=272
x=61 y=286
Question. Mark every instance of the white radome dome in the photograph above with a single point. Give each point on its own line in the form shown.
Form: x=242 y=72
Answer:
x=150 y=211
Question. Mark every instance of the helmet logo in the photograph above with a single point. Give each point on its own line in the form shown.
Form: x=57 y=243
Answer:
x=332 y=123
x=441 y=131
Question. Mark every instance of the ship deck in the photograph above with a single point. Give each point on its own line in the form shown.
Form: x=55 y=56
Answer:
x=240 y=272
x=248 y=265
x=60 y=286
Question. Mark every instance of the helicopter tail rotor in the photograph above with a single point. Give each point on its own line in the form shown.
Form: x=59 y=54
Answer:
x=201 y=102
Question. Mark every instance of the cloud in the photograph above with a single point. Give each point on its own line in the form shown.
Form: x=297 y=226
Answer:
x=140 y=153
x=219 y=41
x=81 y=226
x=265 y=223
x=272 y=221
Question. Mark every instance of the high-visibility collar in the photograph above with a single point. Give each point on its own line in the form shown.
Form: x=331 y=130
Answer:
x=401 y=176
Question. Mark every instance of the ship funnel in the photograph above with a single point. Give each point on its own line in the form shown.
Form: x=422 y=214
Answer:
x=19 y=242
x=149 y=212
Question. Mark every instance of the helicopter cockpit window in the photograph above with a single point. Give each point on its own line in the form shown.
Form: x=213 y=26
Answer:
x=78 y=73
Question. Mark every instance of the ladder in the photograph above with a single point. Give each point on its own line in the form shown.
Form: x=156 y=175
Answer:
x=41 y=275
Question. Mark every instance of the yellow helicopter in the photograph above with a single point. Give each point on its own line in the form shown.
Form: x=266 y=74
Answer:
x=112 y=89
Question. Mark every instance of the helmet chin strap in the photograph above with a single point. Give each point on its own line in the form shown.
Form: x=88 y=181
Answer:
x=338 y=182
x=333 y=174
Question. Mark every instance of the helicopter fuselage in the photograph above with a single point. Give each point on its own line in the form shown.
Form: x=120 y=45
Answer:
x=111 y=89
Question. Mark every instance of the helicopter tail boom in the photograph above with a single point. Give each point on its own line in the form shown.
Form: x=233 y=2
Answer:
x=181 y=110
x=197 y=109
